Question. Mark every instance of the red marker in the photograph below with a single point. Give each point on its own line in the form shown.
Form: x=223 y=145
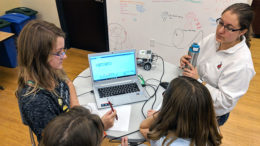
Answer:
x=112 y=108
x=105 y=134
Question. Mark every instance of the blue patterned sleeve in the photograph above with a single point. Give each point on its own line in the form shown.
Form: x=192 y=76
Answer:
x=38 y=111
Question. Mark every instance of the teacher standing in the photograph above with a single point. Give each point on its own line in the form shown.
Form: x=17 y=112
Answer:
x=225 y=64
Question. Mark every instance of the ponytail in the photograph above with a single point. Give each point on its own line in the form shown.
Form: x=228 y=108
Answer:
x=248 y=36
x=245 y=15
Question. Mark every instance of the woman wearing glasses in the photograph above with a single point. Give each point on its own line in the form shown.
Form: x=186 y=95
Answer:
x=225 y=64
x=44 y=90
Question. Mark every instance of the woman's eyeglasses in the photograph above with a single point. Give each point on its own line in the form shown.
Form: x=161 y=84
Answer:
x=227 y=27
x=60 y=53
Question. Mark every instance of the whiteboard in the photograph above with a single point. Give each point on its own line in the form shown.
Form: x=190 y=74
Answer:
x=167 y=27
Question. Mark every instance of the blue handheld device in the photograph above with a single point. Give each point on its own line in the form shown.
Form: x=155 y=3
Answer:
x=194 y=51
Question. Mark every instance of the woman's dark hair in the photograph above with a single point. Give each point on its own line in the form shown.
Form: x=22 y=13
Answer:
x=245 y=15
x=187 y=112
x=78 y=127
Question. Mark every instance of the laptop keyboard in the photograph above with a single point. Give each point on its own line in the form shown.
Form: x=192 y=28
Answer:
x=118 y=90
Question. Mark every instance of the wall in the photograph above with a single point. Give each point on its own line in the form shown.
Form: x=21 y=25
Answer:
x=167 y=27
x=8 y=4
x=46 y=9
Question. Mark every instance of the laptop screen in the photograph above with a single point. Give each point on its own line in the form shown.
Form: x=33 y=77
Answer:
x=110 y=66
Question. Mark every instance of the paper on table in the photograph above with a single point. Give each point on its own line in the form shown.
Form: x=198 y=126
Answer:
x=123 y=113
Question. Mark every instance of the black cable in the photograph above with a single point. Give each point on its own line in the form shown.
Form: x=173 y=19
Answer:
x=119 y=137
x=152 y=85
x=161 y=75
x=159 y=81
x=91 y=91
x=152 y=79
x=155 y=97
x=140 y=143
x=155 y=90
x=146 y=89
x=142 y=110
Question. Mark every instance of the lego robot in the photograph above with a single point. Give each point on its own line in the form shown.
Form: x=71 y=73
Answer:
x=145 y=59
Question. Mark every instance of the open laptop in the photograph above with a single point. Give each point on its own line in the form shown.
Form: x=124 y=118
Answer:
x=115 y=78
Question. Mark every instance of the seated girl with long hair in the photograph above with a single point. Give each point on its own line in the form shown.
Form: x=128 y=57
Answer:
x=187 y=117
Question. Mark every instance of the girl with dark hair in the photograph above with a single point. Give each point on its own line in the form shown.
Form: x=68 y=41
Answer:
x=78 y=127
x=186 y=118
x=225 y=63
x=44 y=90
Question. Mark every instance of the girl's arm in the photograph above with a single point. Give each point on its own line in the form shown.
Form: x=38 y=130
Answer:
x=145 y=125
x=73 y=95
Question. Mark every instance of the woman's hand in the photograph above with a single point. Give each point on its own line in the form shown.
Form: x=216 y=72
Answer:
x=191 y=72
x=124 y=141
x=184 y=60
x=108 y=119
x=73 y=95
x=150 y=113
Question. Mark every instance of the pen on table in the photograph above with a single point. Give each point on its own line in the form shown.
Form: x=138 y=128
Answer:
x=112 y=108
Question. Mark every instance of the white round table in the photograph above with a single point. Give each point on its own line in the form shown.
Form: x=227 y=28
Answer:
x=83 y=84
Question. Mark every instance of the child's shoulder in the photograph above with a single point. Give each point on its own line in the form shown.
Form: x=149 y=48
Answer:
x=177 y=142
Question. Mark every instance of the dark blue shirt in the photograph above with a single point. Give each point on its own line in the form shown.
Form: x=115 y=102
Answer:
x=40 y=108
